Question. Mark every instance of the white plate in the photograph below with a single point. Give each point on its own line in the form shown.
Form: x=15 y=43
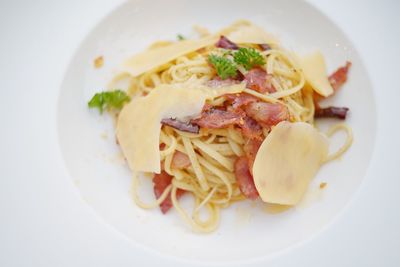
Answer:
x=45 y=219
x=97 y=166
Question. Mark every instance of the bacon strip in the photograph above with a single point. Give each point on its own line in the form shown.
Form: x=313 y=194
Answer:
x=224 y=42
x=161 y=182
x=180 y=125
x=269 y=87
x=336 y=79
x=339 y=77
x=331 y=112
x=251 y=129
x=258 y=80
x=245 y=179
x=250 y=148
x=239 y=100
x=267 y=114
x=161 y=146
x=217 y=119
x=180 y=160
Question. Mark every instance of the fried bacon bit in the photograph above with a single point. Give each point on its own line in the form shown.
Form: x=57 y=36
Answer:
x=240 y=100
x=250 y=148
x=267 y=114
x=98 y=62
x=206 y=107
x=331 y=112
x=265 y=47
x=180 y=125
x=224 y=42
x=339 y=77
x=180 y=160
x=217 y=119
x=255 y=79
x=270 y=88
x=218 y=82
x=258 y=80
x=245 y=179
x=161 y=182
x=251 y=129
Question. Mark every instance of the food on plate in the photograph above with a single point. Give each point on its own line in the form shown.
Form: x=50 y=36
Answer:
x=98 y=62
x=223 y=118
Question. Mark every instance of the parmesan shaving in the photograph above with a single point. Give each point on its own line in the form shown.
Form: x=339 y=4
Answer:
x=138 y=126
x=287 y=161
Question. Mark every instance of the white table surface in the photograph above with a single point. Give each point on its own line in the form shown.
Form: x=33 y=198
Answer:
x=44 y=224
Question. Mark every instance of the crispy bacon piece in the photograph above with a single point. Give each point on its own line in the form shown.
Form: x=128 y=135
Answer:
x=231 y=97
x=250 y=148
x=270 y=88
x=217 y=119
x=239 y=100
x=180 y=125
x=251 y=129
x=180 y=160
x=161 y=182
x=336 y=79
x=245 y=179
x=265 y=47
x=206 y=107
x=258 y=80
x=239 y=76
x=331 y=112
x=339 y=77
x=224 y=42
x=255 y=80
x=267 y=114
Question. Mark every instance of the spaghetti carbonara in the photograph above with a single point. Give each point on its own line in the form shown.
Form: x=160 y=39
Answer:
x=223 y=118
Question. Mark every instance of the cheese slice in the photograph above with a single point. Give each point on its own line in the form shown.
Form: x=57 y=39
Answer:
x=159 y=44
x=161 y=53
x=251 y=34
x=138 y=126
x=314 y=68
x=157 y=56
x=287 y=161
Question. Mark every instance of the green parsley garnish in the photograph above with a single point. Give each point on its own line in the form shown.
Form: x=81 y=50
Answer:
x=225 y=68
x=180 y=37
x=109 y=99
x=248 y=58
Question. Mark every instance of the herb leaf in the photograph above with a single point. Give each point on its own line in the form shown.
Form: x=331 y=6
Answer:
x=180 y=37
x=225 y=68
x=109 y=99
x=248 y=58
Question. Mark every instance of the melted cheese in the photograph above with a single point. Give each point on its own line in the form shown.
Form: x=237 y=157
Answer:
x=287 y=161
x=138 y=126
x=314 y=68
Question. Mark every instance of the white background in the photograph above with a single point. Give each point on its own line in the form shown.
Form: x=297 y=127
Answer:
x=42 y=225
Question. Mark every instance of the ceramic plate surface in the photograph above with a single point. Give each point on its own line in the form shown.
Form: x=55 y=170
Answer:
x=96 y=165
